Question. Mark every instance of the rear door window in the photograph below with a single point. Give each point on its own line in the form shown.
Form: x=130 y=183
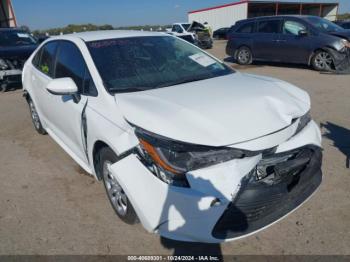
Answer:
x=47 y=59
x=36 y=58
x=177 y=28
x=269 y=26
x=246 y=28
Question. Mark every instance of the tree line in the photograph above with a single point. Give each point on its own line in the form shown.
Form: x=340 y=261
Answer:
x=72 y=28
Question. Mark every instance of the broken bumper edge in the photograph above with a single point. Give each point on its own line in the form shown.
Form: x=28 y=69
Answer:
x=13 y=76
x=259 y=205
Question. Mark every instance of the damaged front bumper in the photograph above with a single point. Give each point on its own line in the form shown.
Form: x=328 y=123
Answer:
x=260 y=203
x=205 y=43
x=341 y=61
x=12 y=76
x=228 y=200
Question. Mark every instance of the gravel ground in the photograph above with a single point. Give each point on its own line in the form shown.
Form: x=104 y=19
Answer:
x=48 y=205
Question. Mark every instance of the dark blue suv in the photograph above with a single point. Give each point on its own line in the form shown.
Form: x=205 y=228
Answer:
x=307 y=40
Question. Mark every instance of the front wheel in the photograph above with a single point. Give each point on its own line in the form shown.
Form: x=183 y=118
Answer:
x=244 y=56
x=3 y=87
x=322 y=61
x=115 y=192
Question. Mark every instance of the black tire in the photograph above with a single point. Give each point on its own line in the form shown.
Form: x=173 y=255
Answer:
x=35 y=118
x=3 y=87
x=244 y=56
x=322 y=61
x=116 y=195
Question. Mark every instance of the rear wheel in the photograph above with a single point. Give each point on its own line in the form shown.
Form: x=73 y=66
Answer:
x=244 y=56
x=322 y=61
x=115 y=192
x=35 y=118
x=3 y=87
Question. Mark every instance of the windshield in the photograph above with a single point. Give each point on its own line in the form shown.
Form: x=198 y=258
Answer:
x=143 y=63
x=16 y=38
x=186 y=26
x=324 y=25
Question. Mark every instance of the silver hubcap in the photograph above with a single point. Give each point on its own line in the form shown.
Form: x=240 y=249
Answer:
x=35 y=116
x=244 y=56
x=114 y=190
x=323 y=60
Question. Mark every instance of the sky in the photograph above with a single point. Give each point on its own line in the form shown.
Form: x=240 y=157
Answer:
x=44 y=14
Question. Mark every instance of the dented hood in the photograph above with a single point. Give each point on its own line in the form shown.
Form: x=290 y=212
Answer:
x=216 y=112
x=195 y=26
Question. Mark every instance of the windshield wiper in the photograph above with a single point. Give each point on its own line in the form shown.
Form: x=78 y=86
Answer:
x=184 y=81
x=129 y=89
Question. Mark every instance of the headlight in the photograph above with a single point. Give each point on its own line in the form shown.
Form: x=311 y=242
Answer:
x=3 y=64
x=173 y=159
x=303 y=121
x=342 y=44
x=346 y=43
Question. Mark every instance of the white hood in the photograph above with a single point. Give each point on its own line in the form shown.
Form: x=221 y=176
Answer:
x=216 y=112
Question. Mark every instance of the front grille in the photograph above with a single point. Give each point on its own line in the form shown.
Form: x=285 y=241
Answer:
x=12 y=79
x=262 y=201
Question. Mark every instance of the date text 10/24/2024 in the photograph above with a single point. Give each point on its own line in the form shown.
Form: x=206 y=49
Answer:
x=173 y=258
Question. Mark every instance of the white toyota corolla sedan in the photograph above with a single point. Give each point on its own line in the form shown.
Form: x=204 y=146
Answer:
x=184 y=144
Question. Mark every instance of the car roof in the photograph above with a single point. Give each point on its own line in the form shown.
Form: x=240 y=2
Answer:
x=7 y=29
x=181 y=23
x=277 y=16
x=108 y=34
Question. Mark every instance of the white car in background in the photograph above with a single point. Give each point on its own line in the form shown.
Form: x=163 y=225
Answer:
x=193 y=149
x=194 y=33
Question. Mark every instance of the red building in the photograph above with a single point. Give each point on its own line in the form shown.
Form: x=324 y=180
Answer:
x=7 y=14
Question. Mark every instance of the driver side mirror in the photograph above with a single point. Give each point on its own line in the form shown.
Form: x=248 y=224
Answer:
x=303 y=33
x=64 y=86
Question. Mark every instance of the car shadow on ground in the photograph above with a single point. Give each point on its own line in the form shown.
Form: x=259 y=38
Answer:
x=258 y=64
x=13 y=87
x=340 y=137
x=191 y=248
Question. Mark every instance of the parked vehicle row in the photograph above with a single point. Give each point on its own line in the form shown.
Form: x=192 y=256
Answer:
x=221 y=33
x=192 y=148
x=306 y=40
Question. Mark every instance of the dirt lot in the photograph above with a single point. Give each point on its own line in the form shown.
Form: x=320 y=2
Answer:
x=49 y=206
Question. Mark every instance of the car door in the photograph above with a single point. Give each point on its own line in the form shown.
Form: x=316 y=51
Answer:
x=295 y=47
x=347 y=25
x=42 y=73
x=266 y=39
x=67 y=112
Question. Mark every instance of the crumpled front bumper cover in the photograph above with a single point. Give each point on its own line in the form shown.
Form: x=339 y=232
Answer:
x=260 y=203
x=341 y=61
x=201 y=213
x=11 y=76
